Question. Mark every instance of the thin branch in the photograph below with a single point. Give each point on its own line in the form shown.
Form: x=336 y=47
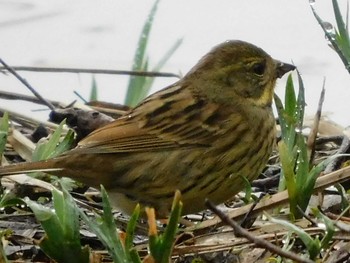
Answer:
x=17 y=96
x=112 y=110
x=95 y=71
x=27 y=121
x=307 y=217
x=322 y=182
x=311 y=142
x=337 y=139
x=259 y=242
x=344 y=147
x=25 y=83
x=245 y=220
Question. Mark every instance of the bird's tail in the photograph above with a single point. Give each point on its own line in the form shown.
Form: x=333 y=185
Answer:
x=28 y=167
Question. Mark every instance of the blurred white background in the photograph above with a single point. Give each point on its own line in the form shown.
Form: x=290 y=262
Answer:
x=104 y=35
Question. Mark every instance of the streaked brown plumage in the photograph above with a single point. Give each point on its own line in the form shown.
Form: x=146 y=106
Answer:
x=201 y=135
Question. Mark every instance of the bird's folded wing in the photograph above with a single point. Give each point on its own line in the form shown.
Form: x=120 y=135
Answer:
x=180 y=121
x=128 y=137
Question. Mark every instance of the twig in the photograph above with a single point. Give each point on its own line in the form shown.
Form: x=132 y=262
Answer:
x=338 y=217
x=267 y=183
x=25 y=83
x=307 y=217
x=322 y=182
x=245 y=222
x=337 y=139
x=344 y=147
x=113 y=112
x=337 y=221
x=17 y=96
x=96 y=71
x=27 y=121
x=239 y=231
x=311 y=142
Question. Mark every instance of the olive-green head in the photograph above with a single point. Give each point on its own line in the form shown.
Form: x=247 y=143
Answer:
x=237 y=70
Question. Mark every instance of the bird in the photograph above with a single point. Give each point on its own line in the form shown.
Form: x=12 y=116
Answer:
x=204 y=135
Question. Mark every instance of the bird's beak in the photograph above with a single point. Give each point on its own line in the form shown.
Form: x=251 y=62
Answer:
x=283 y=68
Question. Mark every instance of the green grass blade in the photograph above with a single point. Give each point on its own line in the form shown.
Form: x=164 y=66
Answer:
x=341 y=27
x=288 y=174
x=281 y=114
x=4 y=127
x=170 y=232
x=286 y=114
x=105 y=229
x=130 y=231
x=134 y=256
x=293 y=149
x=336 y=39
x=3 y=258
x=46 y=150
x=93 y=92
x=67 y=213
x=139 y=86
x=343 y=194
x=300 y=110
x=149 y=81
x=304 y=191
x=154 y=240
x=247 y=190
x=315 y=172
x=290 y=98
x=330 y=228
x=347 y=16
x=161 y=246
x=63 y=145
x=135 y=82
x=168 y=54
x=61 y=225
x=313 y=245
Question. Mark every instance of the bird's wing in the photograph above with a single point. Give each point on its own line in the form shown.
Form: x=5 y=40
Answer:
x=166 y=120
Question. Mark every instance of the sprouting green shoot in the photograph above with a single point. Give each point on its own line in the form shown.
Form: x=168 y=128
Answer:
x=139 y=86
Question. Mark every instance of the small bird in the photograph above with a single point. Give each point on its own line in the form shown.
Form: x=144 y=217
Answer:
x=202 y=135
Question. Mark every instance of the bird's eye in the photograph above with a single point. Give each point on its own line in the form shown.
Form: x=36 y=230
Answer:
x=259 y=68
